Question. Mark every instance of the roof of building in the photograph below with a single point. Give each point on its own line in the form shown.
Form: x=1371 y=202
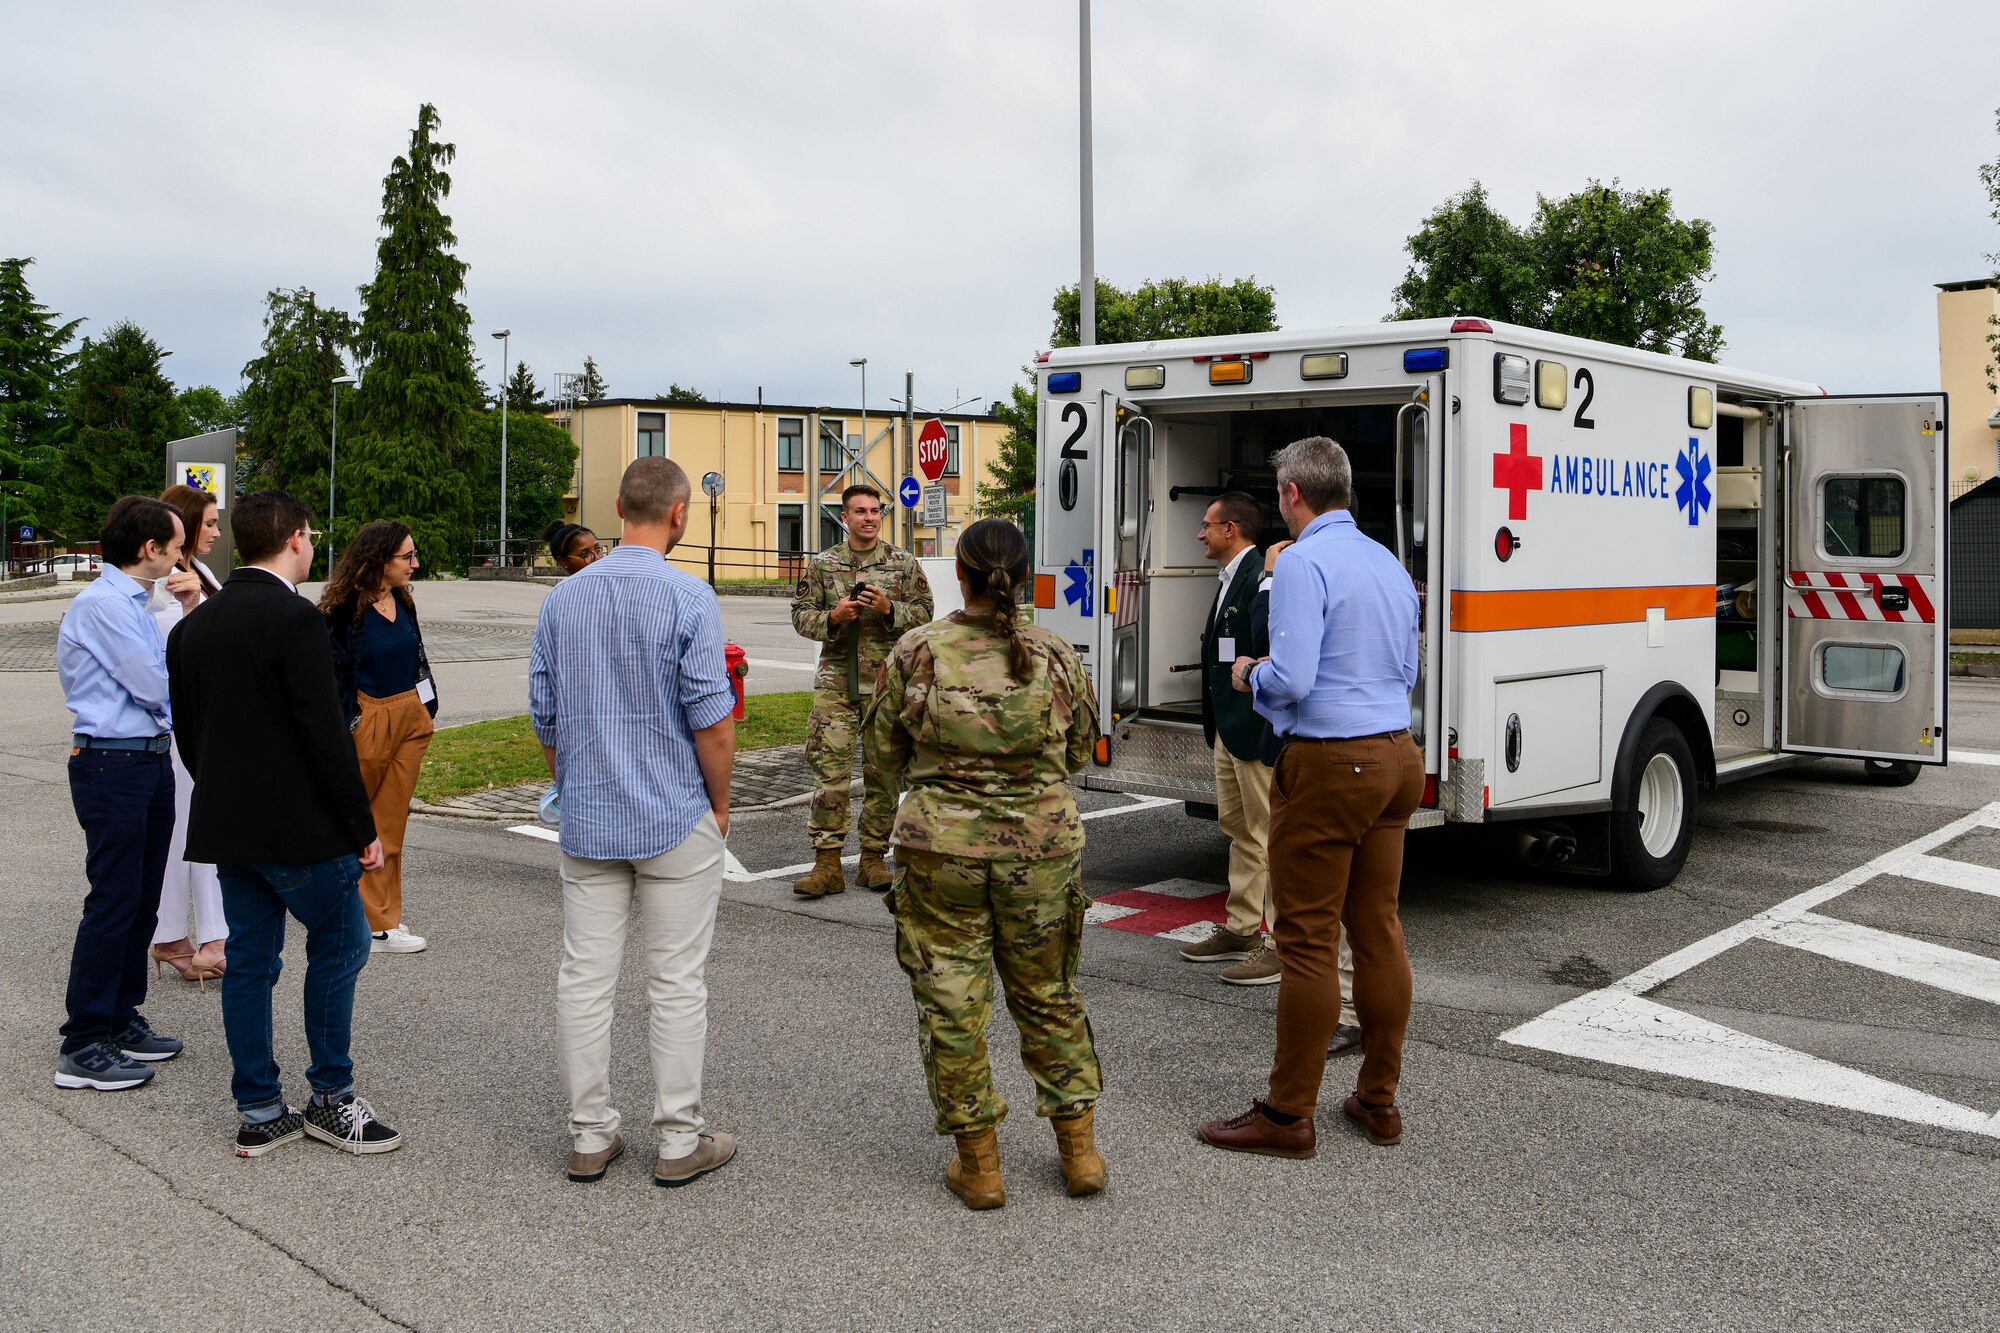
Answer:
x=1969 y=285
x=782 y=408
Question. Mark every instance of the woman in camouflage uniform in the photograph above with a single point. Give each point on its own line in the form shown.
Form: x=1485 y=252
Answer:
x=983 y=721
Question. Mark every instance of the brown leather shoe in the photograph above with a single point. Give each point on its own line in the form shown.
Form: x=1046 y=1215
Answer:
x=873 y=872
x=825 y=877
x=1346 y=1039
x=974 y=1173
x=1083 y=1166
x=1382 y=1124
x=585 y=1167
x=1254 y=1131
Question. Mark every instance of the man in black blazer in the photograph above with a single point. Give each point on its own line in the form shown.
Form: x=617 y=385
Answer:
x=279 y=809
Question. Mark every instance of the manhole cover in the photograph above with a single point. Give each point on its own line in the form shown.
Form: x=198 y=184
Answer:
x=33 y=647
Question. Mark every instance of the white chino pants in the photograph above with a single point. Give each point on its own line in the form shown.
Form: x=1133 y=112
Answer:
x=677 y=893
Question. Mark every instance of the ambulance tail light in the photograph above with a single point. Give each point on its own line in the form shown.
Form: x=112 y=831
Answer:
x=1430 y=789
x=1505 y=543
x=1425 y=358
x=1102 y=752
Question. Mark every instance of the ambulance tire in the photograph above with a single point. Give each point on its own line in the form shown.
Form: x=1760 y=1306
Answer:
x=1645 y=852
x=1891 y=772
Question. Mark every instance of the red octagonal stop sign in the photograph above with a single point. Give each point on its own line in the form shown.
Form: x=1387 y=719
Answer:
x=931 y=449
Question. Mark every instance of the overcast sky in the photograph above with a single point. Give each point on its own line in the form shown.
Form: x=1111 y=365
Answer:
x=736 y=195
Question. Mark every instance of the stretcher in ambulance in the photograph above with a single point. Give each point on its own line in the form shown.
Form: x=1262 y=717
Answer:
x=1641 y=576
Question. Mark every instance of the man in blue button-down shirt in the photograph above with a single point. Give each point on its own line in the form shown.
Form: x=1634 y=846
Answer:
x=1336 y=687
x=113 y=665
x=629 y=697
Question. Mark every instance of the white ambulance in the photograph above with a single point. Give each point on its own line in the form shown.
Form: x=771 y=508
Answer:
x=1641 y=575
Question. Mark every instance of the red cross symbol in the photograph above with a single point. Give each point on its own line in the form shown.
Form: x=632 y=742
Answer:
x=1517 y=471
x=1159 y=912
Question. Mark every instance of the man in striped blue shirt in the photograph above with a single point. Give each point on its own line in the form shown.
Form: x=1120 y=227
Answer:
x=629 y=697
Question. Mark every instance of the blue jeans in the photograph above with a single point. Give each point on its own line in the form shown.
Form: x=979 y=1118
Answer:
x=124 y=800
x=326 y=898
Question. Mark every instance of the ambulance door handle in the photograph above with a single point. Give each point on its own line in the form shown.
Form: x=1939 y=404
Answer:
x=1892 y=599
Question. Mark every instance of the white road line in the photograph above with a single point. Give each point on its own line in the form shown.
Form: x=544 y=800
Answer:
x=1962 y=973
x=1615 y=1025
x=770 y=664
x=1138 y=803
x=1958 y=756
x=536 y=831
x=732 y=869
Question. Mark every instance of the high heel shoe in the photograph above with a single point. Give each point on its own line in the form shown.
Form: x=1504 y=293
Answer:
x=177 y=954
x=210 y=960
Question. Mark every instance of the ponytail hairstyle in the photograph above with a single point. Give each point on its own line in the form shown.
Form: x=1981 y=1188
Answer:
x=993 y=559
x=560 y=536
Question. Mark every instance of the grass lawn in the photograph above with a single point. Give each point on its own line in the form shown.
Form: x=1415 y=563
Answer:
x=504 y=752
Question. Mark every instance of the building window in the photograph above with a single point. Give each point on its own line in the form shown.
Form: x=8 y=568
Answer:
x=792 y=447
x=652 y=435
x=832 y=455
x=831 y=533
x=792 y=524
x=951 y=451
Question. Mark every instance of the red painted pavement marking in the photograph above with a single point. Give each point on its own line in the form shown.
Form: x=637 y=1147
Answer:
x=1161 y=912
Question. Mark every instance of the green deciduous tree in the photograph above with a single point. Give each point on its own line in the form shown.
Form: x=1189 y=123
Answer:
x=122 y=412
x=206 y=408
x=1604 y=263
x=1011 y=492
x=541 y=461
x=591 y=386
x=522 y=392
x=35 y=362
x=1989 y=176
x=286 y=405
x=420 y=388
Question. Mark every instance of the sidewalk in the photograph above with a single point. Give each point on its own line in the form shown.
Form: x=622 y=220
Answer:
x=761 y=780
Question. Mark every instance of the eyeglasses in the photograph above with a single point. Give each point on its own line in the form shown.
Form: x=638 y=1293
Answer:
x=409 y=555
x=313 y=535
x=1218 y=523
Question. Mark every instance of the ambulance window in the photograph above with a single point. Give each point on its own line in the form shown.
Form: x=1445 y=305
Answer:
x=1853 y=668
x=1862 y=518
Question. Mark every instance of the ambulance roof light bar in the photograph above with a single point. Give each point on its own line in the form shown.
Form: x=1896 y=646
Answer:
x=1470 y=326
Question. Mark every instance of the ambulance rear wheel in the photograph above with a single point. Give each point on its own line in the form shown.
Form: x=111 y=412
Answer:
x=1891 y=772
x=1649 y=842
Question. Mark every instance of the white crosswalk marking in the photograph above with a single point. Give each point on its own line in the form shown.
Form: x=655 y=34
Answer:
x=1616 y=1025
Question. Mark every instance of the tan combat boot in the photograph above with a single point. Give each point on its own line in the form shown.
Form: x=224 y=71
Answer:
x=1082 y=1165
x=974 y=1174
x=873 y=872
x=825 y=877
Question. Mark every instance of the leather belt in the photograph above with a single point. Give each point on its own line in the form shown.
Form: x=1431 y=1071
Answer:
x=1343 y=740
x=151 y=744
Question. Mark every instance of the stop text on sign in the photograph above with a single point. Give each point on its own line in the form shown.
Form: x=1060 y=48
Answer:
x=931 y=449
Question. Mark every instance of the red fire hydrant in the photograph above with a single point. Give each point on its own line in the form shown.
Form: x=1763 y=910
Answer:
x=733 y=661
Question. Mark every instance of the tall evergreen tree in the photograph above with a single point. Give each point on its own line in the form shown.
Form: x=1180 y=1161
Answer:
x=35 y=362
x=287 y=400
x=523 y=395
x=409 y=459
x=541 y=462
x=592 y=386
x=122 y=412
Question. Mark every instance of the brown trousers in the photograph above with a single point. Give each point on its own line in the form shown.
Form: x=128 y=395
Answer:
x=389 y=740
x=1339 y=811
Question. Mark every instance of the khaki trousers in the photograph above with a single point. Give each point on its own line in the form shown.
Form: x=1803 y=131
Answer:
x=1243 y=809
x=1339 y=812
x=677 y=892
x=389 y=740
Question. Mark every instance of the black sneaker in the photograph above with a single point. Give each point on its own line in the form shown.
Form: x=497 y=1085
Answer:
x=102 y=1067
x=350 y=1125
x=139 y=1042
x=256 y=1140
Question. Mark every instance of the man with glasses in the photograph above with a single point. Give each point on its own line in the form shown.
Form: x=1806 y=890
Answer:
x=280 y=810
x=855 y=600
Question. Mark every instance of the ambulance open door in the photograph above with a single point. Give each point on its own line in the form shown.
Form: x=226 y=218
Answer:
x=1125 y=438
x=1865 y=633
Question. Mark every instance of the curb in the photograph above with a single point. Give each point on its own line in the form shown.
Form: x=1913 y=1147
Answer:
x=530 y=816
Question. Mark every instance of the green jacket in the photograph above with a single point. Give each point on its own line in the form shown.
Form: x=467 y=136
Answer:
x=851 y=655
x=1226 y=711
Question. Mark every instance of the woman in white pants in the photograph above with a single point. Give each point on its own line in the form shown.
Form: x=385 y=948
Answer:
x=188 y=884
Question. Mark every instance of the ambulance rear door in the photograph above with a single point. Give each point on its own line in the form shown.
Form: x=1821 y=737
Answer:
x=1070 y=556
x=1865 y=643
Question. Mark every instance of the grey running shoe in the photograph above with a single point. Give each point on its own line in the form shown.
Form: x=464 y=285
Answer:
x=139 y=1042
x=350 y=1125
x=102 y=1068
x=258 y=1139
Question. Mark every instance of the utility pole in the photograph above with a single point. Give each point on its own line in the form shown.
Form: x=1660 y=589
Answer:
x=502 y=335
x=909 y=456
x=1086 y=322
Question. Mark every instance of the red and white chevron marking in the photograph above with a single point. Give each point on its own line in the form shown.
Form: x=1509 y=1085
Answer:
x=1827 y=596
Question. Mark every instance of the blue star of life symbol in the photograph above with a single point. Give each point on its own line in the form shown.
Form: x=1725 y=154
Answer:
x=1693 y=494
x=1082 y=577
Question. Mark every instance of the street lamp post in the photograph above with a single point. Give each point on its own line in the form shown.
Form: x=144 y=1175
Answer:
x=333 y=464
x=862 y=362
x=502 y=335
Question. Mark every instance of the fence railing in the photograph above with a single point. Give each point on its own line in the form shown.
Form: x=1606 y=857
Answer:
x=26 y=558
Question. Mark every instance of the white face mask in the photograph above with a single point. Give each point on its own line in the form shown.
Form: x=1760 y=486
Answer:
x=159 y=599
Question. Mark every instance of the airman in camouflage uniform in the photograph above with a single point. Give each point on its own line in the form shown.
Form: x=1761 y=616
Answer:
x=855 y=635
x=984 y=723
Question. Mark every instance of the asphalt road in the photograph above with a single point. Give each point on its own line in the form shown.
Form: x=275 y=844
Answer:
x=1533 y=1189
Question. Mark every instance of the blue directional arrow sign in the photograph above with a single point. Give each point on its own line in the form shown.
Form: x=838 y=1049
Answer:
x=909 y=492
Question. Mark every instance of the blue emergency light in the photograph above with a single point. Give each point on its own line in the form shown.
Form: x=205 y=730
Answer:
x=1068 y=381
x=1425 y=358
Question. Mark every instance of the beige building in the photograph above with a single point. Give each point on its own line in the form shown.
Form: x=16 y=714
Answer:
x=774 y=461
x=1966 y=315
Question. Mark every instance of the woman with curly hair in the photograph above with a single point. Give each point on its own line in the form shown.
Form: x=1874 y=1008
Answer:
x=571 y=545
x=390 y=699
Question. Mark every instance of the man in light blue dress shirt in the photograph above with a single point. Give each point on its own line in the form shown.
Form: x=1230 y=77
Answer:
x=113 y=666
x=1336 y=687
x=629 y=697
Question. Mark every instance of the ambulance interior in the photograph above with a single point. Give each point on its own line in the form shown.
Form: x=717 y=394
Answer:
x=1747 y=596
x=1198 y=456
